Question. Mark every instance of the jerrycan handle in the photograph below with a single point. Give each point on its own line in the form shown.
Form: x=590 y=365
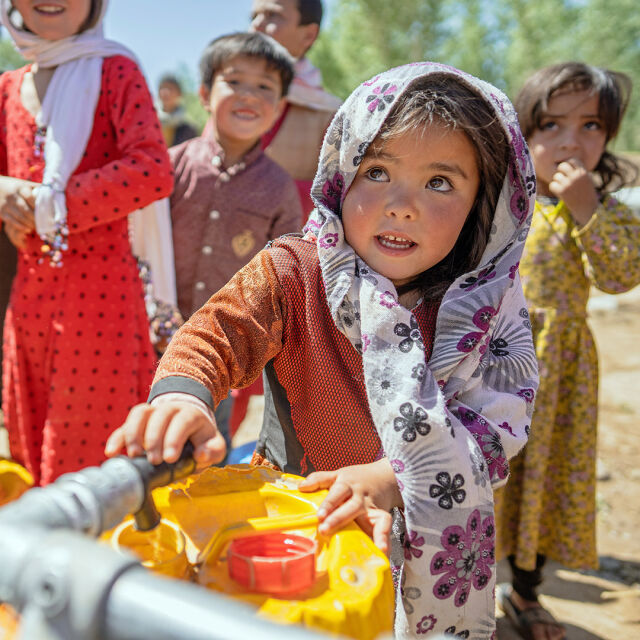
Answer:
x=249 y=527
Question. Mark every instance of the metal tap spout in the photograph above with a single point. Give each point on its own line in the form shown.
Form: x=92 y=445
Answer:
x=147 y=517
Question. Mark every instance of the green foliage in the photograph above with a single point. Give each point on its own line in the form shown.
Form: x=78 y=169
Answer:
x=9 y=57
x=502 y=41
x=611 y=38
x=193 y=106
x=368 y=36
x=196 y=113
x=467 y=34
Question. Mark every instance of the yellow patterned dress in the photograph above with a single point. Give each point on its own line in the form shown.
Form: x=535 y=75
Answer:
x=548 y=504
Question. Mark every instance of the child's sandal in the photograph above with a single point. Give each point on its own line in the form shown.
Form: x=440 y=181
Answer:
x=524 y=619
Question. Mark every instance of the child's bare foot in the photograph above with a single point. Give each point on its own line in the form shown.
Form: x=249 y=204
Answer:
x=530 y=618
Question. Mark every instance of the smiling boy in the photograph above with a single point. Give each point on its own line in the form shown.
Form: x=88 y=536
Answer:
x=229 y=198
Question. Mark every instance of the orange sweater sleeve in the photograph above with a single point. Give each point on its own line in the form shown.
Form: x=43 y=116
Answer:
x=227 y=342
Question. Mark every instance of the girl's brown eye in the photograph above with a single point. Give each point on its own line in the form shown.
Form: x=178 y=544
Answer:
x=439 y=184
x=377 y=174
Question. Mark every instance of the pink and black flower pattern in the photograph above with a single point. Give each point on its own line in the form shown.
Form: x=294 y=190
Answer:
x=528 y=395
x=426 y=624
x=412 y=541
x=388 y=299
x=381 y=97
x=332 y=191
x=328 y=240
x=519 y=202
x=469 y=341
x=489 y=442
x=481 y=319
x=467 y=559
x=483 y=277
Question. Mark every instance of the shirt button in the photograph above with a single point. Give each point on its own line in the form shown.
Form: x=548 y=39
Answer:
x=214 y=215
x=200 y=286
x=207 y=250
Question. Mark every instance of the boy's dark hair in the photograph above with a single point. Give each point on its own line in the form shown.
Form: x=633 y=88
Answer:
x=252 y=45
x=613 y=90
x=310 y=11
x=170 y=78
x=447 y=101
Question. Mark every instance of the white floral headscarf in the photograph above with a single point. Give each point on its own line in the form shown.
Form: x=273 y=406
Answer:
x=450 y=425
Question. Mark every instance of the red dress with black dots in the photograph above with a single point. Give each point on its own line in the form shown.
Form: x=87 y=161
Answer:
x=77 y=354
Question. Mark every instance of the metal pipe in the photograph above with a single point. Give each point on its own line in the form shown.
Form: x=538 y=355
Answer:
x=139 y=608
x=96 y=499
x=69 y=587
x=91 y=501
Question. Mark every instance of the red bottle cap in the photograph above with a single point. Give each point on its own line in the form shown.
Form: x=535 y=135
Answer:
x=274 y=563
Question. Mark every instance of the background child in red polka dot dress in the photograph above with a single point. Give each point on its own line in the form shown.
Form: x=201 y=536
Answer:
x=80 y=149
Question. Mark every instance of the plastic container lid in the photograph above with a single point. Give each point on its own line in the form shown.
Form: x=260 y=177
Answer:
x=273 y=563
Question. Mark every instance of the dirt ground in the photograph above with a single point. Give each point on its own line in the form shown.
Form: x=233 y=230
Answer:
x=603 y=604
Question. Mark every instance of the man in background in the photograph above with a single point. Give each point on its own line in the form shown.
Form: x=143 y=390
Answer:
x=295 y=140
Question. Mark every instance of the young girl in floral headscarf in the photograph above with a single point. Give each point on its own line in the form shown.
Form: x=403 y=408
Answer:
x=581 y=237
x=80 y=149
x=397 y=346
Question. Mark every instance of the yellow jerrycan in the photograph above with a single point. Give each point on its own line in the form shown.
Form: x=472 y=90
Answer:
x=14 y=481
x=249 y=533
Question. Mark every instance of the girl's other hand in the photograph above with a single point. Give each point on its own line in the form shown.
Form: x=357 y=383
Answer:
x=573 y=183
x=162 y=429
x=17 y=203
x=365 y=493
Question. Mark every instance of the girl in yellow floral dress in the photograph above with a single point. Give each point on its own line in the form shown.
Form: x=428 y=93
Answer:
x=580 y=237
